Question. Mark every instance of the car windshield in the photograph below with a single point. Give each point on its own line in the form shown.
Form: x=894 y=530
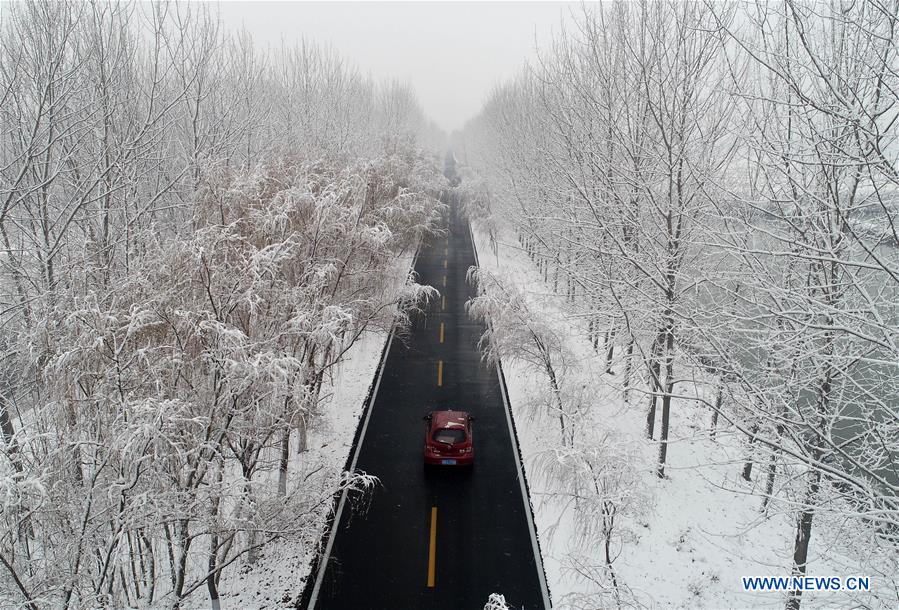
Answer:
x=450 y=436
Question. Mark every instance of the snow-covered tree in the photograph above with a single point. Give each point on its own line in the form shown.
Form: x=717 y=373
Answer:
x=185 y=264
x=713 y=188
x=514 y=332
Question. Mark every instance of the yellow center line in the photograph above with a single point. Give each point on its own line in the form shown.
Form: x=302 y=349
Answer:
x=444 y=281
x=440 y=372
x=432 y=548
x=441 y=332
x=443 y=304
x=444 y=263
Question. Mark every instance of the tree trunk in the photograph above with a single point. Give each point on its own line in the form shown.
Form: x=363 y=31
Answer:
x=628 y=368
x=769 y=480
x=719 y=399
x=803 y=535
x=655 y=369
x=557 y=397
x=302 y=435
x=170 y=546
x=181 y=571
x=9 y=435
x=668 y=354
x=666 y=414
x=284 y=462
x=211 y=581
x=772 y=467
x=609 y=343
x=747 y=467
x=556 y=275
x=132 y=564
x=143 y=541
x=608 y=518
x=249 y=508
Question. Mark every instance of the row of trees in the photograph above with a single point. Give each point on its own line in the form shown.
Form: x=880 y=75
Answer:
x=195 y=232
x=714 y=188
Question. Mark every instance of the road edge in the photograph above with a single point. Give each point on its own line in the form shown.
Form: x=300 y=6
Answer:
x=319 y=564
x=522 y=478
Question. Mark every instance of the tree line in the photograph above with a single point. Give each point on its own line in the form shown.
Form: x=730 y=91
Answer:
x=713 y=188
x=195 y=231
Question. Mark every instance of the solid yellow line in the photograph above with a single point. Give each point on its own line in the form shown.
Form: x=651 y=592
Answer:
x=444 y=281
x=432 y=548
x=441 y=332
x=440 y=372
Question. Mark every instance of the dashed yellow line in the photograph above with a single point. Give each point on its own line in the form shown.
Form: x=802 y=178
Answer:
x=444 y=281
x=432 y=549
x=440 y=372
x=444 y=263
x=443 y=303
x=441 y=332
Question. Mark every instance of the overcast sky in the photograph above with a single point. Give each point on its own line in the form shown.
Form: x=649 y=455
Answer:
x=453 y=53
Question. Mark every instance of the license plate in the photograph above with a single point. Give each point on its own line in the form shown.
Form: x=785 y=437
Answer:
x=448 y=462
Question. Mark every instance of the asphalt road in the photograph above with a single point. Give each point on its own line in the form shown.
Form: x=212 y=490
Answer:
x=389 y=556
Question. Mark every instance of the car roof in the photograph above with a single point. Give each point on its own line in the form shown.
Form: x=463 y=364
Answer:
x=449 y=419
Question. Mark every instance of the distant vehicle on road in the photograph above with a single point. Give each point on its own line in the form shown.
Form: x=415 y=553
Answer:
x=448 y=439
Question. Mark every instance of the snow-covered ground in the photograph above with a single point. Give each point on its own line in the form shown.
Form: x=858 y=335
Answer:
x=694 y=534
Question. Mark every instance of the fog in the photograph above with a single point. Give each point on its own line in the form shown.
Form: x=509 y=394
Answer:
x=452 y=53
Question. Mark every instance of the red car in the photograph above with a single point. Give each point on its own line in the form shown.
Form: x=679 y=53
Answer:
x=448 y=440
